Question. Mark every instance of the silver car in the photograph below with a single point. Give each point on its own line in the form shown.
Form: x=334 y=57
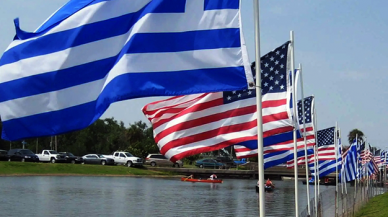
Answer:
x=160 y=160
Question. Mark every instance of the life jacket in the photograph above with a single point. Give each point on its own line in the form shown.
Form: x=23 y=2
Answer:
x=268 y=183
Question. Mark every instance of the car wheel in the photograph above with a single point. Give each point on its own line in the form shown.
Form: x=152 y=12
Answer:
x=129 y=163
x=103 y=162
x=200 y=166
x=73 y=161
x=52 y=160
x=176 y=165
x=153 y=164
x=23 y=160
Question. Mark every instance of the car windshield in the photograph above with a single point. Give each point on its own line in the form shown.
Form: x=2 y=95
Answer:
x=53 y=152
x=69 y=154
x=128 y=154
x=101 y=156
x=26 y=152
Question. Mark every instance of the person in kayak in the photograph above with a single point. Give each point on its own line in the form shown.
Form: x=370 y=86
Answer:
x=268 y=183
x=190 y=176
x=213 y=177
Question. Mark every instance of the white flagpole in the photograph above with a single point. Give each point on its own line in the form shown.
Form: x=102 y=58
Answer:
x=342 y=175
x=357 y=172
x=305 y=142
x=336 y=168
x=295 y=122
x=385 y=168
x=316 y=137
x=260 y=166
x=315 y=179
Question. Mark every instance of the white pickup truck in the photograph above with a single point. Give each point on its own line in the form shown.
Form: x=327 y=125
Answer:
x=48 y=156
x=126 y=158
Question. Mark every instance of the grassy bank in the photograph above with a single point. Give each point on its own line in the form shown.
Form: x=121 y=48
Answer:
x=376 y=207
x=18 y=168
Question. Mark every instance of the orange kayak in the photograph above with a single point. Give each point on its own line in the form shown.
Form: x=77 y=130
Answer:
x=201 y=180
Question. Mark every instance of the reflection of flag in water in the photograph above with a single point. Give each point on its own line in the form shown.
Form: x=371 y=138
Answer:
x=92 y=53
x=193 y=124
x=310 y=132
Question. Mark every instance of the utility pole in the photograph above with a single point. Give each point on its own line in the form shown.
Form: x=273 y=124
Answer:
x=56 y=143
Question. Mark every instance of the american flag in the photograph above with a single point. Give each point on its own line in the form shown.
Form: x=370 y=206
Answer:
x=283 y=136
x=310 y=132
x=326 y=152
x=326 y=146
x=377 y=157
x=193 y=124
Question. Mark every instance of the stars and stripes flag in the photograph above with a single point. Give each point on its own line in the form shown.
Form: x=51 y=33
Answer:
x=193 y=124
x=370 y=167
x=310 y=132
x=326 y=152
x=277 y=146
x=377 y=157
x=92 y=53
x=350 y=168
x=365 y=155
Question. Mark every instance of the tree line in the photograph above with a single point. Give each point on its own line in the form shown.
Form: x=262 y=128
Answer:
x=103 y=137
x=108 y=135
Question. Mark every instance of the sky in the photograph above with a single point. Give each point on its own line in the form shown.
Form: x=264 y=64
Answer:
x=340 y=44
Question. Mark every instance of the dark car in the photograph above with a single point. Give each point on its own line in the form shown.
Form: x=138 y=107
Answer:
x=22 y=155
x=229 y=162
x=3 y=155
x=68 y=157
x=97 y=159
x=210 y=163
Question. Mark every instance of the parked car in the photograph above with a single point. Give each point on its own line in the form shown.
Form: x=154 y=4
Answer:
x=22 y=155
x=126 y=158
x=48 y=156
x=3 y=155
x=241 y=161
x=229 y=163
x=160 y=160
x=97 y=159
x=211 y=163
x=68 y=157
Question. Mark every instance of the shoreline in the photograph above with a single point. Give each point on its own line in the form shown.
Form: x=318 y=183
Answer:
x=90 y=175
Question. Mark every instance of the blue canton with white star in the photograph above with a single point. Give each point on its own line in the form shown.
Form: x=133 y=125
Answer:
x=308 y=103
x=273 y=75
x=326 y=136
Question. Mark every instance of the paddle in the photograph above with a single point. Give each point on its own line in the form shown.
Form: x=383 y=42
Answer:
x=187 y=178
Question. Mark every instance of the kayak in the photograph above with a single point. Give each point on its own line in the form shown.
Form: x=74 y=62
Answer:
x=266 y=188
x=201 y=180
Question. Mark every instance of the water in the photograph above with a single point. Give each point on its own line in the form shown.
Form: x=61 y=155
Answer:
x=129 y=196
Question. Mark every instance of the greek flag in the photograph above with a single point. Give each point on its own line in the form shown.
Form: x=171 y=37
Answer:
x=92 y=53
x=350 y=165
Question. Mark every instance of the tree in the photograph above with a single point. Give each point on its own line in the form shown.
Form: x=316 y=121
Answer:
x=352 y=136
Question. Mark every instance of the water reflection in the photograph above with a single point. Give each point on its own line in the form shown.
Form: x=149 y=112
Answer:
x=128 y=196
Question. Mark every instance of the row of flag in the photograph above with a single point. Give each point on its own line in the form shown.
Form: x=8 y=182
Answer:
x=53 y=81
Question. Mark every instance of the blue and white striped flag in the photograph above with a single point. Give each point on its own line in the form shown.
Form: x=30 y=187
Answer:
x=92 y=53
x=350 y=165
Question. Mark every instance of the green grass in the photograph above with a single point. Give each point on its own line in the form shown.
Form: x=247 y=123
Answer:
x=376 y=207
x=19 y=168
